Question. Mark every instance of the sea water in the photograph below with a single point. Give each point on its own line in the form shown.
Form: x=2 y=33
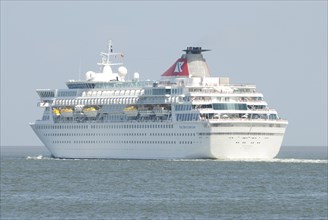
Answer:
x=292 y=186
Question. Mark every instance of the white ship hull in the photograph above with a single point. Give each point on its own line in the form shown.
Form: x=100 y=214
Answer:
x=159 y=141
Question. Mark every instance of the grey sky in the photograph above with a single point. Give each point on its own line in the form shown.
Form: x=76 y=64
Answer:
x=279 y=46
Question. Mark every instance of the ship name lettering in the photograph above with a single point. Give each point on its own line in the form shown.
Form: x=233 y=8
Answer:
x=187 y=127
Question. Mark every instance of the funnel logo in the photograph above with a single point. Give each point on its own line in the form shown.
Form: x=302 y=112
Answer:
x=178 y=67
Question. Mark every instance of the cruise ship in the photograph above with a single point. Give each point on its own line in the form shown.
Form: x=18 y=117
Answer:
x=186 y=114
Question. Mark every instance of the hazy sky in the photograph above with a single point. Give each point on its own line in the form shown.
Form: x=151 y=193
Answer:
x=279 y=46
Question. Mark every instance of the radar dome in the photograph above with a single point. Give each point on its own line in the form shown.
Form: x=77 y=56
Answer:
x=122 y=71
x=90 y=75
x=107 y=70
x=136 y=76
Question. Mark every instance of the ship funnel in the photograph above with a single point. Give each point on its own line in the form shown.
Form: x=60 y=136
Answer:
x=191 y=64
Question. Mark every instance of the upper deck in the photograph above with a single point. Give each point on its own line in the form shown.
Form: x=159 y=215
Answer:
x=185 y=92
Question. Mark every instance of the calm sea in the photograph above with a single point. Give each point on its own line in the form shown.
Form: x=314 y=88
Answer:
x=293 y=186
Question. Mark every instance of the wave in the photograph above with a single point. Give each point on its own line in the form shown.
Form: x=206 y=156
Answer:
x=275 y=160
x=291 y=160
x=278 y=160
x=39 y=157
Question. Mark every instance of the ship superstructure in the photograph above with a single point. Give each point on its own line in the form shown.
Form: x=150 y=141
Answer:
x=185 y=114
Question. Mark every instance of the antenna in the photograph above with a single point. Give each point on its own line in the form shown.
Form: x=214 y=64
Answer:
x=105 y=61
x=80 y=69
x=195 y=50
x=110 y=46
x=110 y=50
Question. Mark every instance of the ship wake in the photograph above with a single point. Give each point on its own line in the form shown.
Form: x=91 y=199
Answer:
x=280 y=160
x=276 y=160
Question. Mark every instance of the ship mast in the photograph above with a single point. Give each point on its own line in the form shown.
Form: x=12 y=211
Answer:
x=106 y=57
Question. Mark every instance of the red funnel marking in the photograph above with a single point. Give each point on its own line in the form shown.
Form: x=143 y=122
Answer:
x=179 y=68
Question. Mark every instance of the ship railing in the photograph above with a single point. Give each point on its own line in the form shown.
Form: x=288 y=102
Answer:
x=222 y=91
x=197 y=101
x=95 y=120
x=262 y=110
x=242 y=119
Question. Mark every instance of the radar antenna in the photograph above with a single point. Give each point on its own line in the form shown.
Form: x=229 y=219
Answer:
x=195 y=50
x=106 y=57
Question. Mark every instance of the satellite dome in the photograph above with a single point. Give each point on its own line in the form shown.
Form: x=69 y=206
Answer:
x=136 y=76
x=90 y=75
x=122 y=71
x=107 y=70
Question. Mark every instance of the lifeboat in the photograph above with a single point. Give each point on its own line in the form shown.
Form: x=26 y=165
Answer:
x=66 y=112
x=131 y=111
x=90 y=111
x=56 y=112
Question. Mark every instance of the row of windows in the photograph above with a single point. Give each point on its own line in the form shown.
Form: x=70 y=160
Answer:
x=229 y=106
x=117 y=126
x=61 y=126
x=247 y=125
x=202 y=106
x=46 y=93
x=134 y=126
x=242 y=133
x=81 y=85
x=67 y=93
x=45 y=117
x=183 y=107
x=95 y=101
x=237 y=142
x=172 y=134
x=232 y=137
x=185 y=142
x=127 y=85
x=163 y=91
x=117 y=134
x=61 y=142
x=109 y=93
x=123 y=142
x=120 y=142
x=187 y=117
x=254 y=107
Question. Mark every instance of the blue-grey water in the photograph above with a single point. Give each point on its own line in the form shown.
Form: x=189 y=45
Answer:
x=293 y=186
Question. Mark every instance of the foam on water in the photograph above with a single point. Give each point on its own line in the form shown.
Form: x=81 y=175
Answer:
x=291 y=160
x=275 y=160
x=278 y=160
x=39 y=157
